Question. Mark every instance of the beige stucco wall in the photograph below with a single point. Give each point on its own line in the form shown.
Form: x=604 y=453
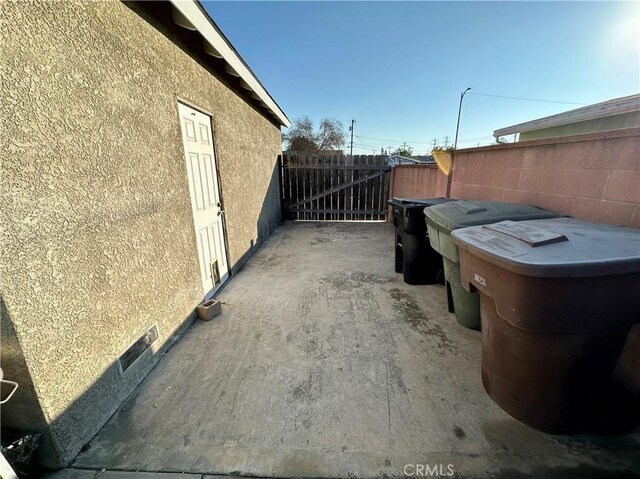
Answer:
x=97 y=235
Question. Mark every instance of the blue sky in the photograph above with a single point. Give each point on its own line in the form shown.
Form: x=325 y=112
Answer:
x=398 y=67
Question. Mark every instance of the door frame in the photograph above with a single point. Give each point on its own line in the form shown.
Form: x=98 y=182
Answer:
x=179 y=99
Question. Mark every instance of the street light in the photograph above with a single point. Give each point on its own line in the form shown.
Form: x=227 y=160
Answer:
x=455 y=143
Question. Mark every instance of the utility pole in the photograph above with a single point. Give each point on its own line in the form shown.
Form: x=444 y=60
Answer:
x=446 y=141
x=435 y=141
x=455 y=143
x=351 y=130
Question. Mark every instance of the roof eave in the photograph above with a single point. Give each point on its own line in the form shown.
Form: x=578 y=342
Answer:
x=617 y=106
x=191 y=15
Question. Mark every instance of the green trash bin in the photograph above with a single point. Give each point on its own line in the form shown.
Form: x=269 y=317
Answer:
x=443 y=219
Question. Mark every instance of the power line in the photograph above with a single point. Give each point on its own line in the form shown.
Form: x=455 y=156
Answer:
x=433 y=143
x=486 y=137
x=365 y=142
x=393 y=141
x=526 y=99
x=361 y=145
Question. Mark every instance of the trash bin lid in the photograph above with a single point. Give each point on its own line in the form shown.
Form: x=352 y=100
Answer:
x=418 y=201
x=463 y=213
x=560 y=247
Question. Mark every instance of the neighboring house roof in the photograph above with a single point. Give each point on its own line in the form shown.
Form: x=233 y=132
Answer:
x=426 y=159
x=399 y=159
x=617 y=106
x=320 y=152
x=416 y=160
x=191 y=15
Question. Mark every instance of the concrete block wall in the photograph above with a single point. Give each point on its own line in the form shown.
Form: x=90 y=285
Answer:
x=594 y=177
x=417 y=181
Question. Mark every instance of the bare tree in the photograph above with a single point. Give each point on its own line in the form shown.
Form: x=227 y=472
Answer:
x=302 y=137
x=331 y=134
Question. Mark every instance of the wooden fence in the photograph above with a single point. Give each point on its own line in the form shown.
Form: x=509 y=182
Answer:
x=334 y=187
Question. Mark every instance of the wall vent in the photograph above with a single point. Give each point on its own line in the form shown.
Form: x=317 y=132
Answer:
x=135 y=350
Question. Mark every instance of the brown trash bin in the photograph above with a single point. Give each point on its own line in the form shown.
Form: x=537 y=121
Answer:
x=557 y=298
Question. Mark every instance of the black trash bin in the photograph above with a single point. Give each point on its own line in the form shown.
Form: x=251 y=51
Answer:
x=414 y=256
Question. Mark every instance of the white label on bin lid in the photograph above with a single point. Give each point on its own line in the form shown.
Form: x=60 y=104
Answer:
x=531 y=235
x=469 y=207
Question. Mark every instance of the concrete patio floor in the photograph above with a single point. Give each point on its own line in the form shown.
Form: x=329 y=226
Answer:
x=325 y=363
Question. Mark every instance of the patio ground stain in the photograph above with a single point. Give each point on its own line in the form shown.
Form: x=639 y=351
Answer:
x=409 y=309
x=356 y=279
x=459 y=432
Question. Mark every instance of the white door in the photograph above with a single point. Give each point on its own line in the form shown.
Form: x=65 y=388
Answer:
x=197 y=136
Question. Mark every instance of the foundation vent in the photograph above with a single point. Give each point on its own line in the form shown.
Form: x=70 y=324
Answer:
x=135 y=350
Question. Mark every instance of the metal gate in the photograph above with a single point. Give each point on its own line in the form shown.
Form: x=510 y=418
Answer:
x=335 y=187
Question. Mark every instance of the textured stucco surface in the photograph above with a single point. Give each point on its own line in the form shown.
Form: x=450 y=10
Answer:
x=97 y=233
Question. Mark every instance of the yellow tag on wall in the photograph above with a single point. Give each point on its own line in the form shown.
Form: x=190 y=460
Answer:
x=444 y=160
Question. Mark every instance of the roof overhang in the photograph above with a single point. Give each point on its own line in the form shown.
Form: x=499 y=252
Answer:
x=191 y=15
x=617 y=106
x=400 y=157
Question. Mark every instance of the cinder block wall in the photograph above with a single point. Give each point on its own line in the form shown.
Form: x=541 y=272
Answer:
x=594 y=177
x=97 y=231
x=417 y=181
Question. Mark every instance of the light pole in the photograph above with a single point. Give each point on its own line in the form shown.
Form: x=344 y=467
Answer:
x=351 y=130
x=455 y=142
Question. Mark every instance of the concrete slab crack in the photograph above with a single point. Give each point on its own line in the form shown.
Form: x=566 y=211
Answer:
x=386 y=367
